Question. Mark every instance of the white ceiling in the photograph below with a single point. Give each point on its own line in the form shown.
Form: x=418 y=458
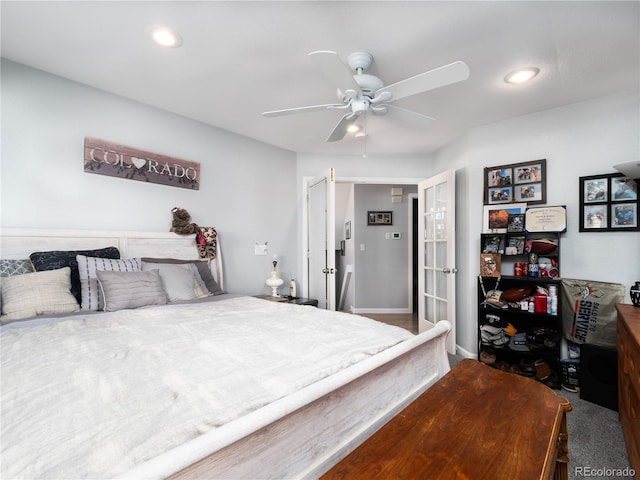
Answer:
x=242 y=58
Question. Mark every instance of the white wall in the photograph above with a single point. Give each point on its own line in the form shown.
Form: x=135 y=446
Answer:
x=583 y=139
x=247 y=188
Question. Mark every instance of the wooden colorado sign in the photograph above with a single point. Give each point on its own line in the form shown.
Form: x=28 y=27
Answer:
x=107 y=158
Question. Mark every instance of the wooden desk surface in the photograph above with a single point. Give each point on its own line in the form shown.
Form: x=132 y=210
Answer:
x=475 y=423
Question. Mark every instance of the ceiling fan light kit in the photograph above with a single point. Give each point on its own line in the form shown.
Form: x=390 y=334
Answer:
x=363 y=93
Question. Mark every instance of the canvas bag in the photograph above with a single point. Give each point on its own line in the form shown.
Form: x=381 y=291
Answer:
x=589 y=311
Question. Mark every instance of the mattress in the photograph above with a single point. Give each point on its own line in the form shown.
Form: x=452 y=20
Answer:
x=92 y=396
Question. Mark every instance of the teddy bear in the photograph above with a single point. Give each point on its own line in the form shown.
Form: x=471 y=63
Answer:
x=181 y=223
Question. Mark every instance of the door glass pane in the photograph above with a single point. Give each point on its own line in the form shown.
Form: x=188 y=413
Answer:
x=441 y=284
x=441 y=225
x=428 y=254
x=441 y=310
x=441 y=254
x=441 y=196
x=429 y=234
x=428 y=308
x=429 y=282
x=429 y=200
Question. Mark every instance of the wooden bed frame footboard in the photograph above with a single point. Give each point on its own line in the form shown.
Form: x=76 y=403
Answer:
x=305 y=434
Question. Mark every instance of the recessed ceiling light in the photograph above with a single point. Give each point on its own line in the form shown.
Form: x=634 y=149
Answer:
x=522 y=75
x=164 y=36
x=353 y=128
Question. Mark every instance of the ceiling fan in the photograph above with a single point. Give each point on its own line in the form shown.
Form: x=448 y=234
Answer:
x=361 y=93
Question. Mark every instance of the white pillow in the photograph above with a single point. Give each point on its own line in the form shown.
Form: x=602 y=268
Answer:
x=178 y=279
x=38 y=293
x=92 y=298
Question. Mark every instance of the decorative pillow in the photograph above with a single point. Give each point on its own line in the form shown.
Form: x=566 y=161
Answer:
x=131 y=289
x=87 y=267
x=204 y=269
x=37 y=293
x=58 y=259
x=178 y=280
x=10 y=268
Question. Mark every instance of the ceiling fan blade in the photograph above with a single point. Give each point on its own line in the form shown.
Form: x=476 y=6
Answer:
x=341 y=128
x=438 y=77
x=311 y=108
x=336 y=71
x=408 y=118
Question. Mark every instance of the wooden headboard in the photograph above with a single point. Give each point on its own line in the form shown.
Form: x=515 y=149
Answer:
x=19 y=243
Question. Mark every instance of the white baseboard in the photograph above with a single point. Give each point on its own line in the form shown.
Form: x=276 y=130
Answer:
x=465 y=353
x=380 y=310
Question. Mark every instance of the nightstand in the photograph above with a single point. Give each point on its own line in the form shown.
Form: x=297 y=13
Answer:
x=297 y=300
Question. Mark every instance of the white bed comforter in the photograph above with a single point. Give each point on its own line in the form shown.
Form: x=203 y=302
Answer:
x=93 y=396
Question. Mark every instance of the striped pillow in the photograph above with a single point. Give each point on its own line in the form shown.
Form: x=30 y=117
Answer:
x=91 y=295
x=131 y=289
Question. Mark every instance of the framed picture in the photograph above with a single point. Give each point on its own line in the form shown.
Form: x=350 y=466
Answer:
x=347 y=230
x=595 y=190
x=492 y=243
x=495 y=218
x=517 y=182
x=624 y=215
x=489 y=264
x=546 y=219
x=623 y=189
x=608 y=203
x=515 y=223
x=379 y=218
x=515 y=245
x=500 y=195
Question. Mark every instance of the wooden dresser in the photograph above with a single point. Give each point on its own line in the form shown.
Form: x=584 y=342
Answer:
x=628 y=340
x=476 y=423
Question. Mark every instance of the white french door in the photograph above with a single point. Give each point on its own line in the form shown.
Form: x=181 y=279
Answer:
x=321 y=260
x=436 y=253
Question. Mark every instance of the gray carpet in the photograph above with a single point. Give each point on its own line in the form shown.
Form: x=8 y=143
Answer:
x=596 y=442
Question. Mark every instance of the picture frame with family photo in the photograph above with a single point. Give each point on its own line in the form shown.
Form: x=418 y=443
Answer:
x=608 y=203
x=516 y=182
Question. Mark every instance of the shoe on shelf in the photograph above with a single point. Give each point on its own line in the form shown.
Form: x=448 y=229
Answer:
x=488 y=356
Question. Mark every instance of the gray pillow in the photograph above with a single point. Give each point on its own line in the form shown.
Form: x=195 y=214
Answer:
x=87 y=267
x=131 y=289
x=204 y=269
x=177 y=279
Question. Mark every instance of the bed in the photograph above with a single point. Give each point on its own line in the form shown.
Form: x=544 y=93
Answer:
x=174 y=369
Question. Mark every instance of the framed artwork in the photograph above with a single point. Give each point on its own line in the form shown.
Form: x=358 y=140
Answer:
x=515 y=223
x=347 y=230
x=490 y=264
x=517 y=182
x=379 y=218
x=515 y=245
x=608 y=203
x=546 y=219
x=495 y=218
x=492 y=243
